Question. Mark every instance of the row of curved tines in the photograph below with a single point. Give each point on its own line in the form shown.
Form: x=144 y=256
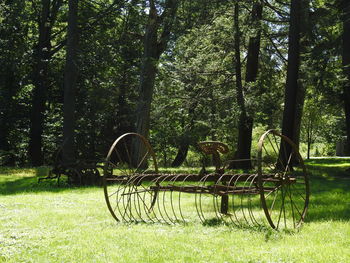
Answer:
x=169 y=198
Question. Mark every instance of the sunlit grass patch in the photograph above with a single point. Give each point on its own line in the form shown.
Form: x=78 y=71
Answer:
x=329 y=167
x=41 y=222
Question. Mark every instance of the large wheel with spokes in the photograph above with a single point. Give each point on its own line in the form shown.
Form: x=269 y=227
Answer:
x=129 y=159
x=282 y=180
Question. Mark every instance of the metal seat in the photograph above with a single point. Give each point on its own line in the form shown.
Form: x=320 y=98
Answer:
x=214 y=148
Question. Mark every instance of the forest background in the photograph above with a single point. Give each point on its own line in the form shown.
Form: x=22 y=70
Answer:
x=176 y=71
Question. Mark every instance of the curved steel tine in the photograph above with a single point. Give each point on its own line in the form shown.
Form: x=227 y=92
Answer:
x=141 y=196
x=116 y=207
x=175 y=218
x=133 y=195
x=182 y=184
x=247 y=197
x=116 y=193
x=126 y=217
x=131 y=200
x=175 y=201
x=120 y=201
x=134 y=184
x=242 y=196
x=215 y=200
x=252 y=182
x=170 y=194
x=151 y=201
x=161 y=179
x=239 y=206
x=173 y=180
x=233 y=204
x=156 y=198
x=200 y=210
x=249 y=193
x=196 y=199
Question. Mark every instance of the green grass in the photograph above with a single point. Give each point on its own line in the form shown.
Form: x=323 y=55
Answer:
x=46 y=223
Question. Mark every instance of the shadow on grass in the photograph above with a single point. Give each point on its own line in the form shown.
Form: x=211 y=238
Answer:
x=213 y=222
x=25 y=180
x=330 y=190
x=329 y=200
x=328 y=161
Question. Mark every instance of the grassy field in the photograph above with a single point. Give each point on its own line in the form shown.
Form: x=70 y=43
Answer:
x=46 y=223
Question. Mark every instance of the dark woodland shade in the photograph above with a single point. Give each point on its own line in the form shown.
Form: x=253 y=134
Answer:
x=176 y=71
x=345 y=9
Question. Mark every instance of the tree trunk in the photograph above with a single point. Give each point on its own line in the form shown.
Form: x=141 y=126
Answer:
x=7 y=78
x=40 y=82
x=251 y=76
x=245 y=123
x=309 y=138
x=147 y=79
x=294 y=90
x=181 y=153
x=70 y=79
x=154 y=45
x=346 y=68
x=12 y=32
x=41 y=57
x=148 y=74
x=239 y=87
x=186 y=138
x=124 y=121
x=254 y=45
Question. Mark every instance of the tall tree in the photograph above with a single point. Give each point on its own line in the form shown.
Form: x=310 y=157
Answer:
x=294 y=89
x=12 y=49
x=154 y=45
x=345 y=6
x=243 y=116
x=42 y=55
x=155 y=40
x=245 y=122
x=70 y=80
x=186 y=136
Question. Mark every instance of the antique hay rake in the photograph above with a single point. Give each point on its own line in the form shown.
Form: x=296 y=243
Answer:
x=274 y=192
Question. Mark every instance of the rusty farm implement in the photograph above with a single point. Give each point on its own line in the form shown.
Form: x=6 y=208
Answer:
x=274 y=192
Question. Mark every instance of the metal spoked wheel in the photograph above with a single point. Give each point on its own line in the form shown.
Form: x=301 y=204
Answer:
x=129 y=159
x=282 y=180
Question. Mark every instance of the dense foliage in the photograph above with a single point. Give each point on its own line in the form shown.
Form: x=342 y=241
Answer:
x=194 y=94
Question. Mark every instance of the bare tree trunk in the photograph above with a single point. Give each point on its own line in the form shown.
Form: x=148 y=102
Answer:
x=254 y=45
x=346 y=68
x=124 y=122
x=186 y=138
x=11 y=32
x=294 y=90
x=239 y=87
x=41 y=56
x=181 y=153
x=148 y=73
x=70 y=79
x=153 y=48
x=309 y=137
x=154 y=45
x=6 y=109
x=40 y=82
x=245 y=123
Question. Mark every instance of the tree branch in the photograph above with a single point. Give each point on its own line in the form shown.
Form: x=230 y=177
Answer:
x=168 y=17
x=102 y=15
x=280 y=12
x=54 y=10
x=276 y=48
